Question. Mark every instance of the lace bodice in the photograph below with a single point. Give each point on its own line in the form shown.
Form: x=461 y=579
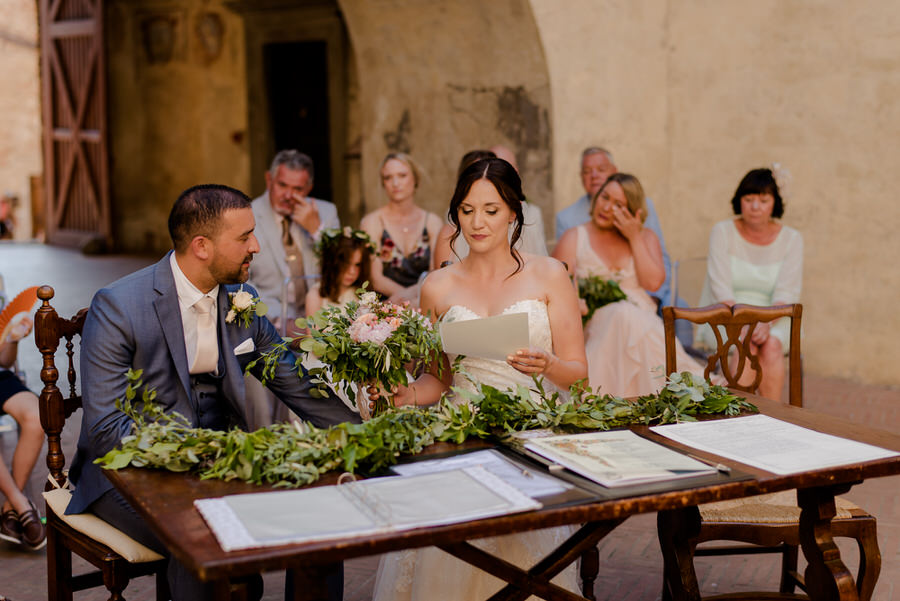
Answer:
x=498 y=373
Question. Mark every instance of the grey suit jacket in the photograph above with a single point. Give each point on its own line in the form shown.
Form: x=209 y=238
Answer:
x=136 y=323
x=269 y=267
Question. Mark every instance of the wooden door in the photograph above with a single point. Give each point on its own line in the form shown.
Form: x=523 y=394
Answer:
x=73 y=89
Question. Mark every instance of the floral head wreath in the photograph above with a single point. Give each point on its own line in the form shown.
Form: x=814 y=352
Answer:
x=782 y=179
x=332 y=236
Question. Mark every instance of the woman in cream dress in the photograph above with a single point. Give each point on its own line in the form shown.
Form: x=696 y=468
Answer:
x=625 y=340
x=492 y=279
x=755 y=260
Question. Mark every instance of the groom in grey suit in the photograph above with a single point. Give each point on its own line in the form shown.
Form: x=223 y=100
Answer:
x=170 y=320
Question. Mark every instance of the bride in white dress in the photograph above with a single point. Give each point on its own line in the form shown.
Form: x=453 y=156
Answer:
x=491 y=280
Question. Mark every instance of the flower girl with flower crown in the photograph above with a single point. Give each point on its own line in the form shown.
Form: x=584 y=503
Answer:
x=345 y=257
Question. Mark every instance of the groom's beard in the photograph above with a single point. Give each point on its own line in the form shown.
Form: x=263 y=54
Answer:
x=231 y=274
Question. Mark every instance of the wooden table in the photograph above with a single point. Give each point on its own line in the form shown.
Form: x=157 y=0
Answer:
x=166 y=501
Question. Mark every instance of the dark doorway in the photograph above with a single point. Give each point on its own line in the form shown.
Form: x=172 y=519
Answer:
x=296 y=75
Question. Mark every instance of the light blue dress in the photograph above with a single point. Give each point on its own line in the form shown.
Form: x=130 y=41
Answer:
x=753 y=274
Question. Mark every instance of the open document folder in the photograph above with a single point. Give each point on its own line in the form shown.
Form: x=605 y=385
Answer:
x=368 y=507
x=617 y=458
x=486 y=337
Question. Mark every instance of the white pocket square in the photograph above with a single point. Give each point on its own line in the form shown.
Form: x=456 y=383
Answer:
x=246 y=346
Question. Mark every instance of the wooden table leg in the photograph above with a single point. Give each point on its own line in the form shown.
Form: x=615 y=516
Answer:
x=536 y=580
x=590 y=567
x=678 y=530
x=246 y=588
x=827 y=578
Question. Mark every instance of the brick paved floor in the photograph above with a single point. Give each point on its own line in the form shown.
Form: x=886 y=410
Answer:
x=630 y=567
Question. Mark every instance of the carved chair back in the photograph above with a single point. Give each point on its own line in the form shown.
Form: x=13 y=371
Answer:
x=49 y=331
x=733 y=354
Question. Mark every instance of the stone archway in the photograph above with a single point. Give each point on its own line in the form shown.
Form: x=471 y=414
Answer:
x=272 y=27
x=435 y=79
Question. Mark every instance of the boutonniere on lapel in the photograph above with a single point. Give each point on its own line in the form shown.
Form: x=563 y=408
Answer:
x=244 y=306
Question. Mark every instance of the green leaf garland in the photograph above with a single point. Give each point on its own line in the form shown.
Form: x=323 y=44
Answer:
x=285 y=455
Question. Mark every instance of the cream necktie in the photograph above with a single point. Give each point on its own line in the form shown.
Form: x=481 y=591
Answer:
x=207 y=358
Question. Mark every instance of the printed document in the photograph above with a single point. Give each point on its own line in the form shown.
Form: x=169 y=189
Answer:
x=771 y=444
x=530 y=482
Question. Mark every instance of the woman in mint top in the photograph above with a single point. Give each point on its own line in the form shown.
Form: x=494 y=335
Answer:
x=755 y=259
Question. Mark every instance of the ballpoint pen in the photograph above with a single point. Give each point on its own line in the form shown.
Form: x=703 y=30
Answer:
x=720 y=467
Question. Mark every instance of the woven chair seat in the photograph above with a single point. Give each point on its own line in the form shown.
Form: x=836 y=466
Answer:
x=774 y=508
x=89 y=524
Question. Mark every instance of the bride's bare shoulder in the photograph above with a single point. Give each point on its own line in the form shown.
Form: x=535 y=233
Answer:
x=543 y=266
x=441 y=280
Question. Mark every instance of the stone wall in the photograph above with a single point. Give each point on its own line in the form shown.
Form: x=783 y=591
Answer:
x=177 y=110
x=434 y=80
x=20 y=106
x=691 y=95
x=438 y=79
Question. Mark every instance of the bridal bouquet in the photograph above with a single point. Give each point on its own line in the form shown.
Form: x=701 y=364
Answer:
x=369 y=342
x=598 y=292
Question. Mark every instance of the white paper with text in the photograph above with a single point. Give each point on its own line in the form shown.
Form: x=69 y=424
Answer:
x=771 y=444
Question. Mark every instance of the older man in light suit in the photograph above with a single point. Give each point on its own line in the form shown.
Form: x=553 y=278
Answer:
x=170 y=320
x=286 y=210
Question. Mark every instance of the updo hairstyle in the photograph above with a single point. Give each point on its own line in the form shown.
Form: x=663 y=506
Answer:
x=506 y=181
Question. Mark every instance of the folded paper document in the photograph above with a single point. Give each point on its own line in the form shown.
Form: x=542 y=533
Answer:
x=487 y=337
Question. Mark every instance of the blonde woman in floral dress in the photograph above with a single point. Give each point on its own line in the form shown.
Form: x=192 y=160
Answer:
x=406 y=233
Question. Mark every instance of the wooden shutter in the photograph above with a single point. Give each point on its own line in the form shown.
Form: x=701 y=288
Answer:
x=73 y=88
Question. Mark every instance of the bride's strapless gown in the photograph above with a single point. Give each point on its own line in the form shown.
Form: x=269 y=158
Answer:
x=430 y=574
x=625 y=341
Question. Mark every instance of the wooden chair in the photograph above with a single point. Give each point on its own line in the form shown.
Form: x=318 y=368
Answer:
x=768 y=523
x=117 y=557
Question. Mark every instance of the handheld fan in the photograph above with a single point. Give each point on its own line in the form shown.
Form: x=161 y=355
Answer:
x=12 y=312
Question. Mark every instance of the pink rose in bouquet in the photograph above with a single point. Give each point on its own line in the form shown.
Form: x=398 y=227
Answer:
x=369 y=328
